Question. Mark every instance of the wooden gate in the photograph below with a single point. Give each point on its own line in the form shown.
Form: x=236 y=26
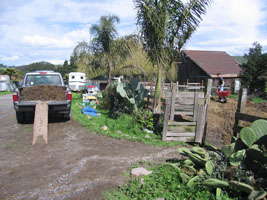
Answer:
x=185 y=116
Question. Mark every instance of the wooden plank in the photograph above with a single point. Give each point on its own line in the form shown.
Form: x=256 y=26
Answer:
x=208 y=91
x=246 y=117
x=173 y=123
x=183 y=113
x=184 y=101
x=195 y=87
x=168 y=95
x=195 y=110
x=200 y=123
x=242 y=98
x=189 y=95
x=174 y=93
x=240 y=105
x=180 y=139
x=166 y=118
x=40 y=127
x=184 y=134
x=184 y=107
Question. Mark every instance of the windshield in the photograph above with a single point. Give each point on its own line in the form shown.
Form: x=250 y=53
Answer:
x=43 y=79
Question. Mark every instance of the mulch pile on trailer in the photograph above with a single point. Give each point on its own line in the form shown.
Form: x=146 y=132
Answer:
x=43 y=93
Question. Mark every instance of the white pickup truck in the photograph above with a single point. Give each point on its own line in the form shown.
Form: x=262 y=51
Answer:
x=42 y=86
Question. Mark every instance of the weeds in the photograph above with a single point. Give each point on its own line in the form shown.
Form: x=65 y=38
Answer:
x=124 y=127
x=162 y=183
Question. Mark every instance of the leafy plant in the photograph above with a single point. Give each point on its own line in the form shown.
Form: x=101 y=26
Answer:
x=145 y=118
x=164 y=182
x=134 y=97
x=229 y=168
x=123 y=99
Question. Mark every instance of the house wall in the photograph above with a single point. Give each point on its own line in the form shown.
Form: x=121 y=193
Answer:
x=189 y=71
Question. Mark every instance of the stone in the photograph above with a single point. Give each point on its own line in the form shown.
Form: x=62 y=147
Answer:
x=140 y=171
x=104 y=127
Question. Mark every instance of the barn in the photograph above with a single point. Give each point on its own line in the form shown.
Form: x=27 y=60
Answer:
x=198 y=66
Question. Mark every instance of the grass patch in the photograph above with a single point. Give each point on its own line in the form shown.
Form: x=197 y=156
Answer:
x=233 y=96
x=164 y=182
x=5 y=92
x=259 y=100
x=125 y=127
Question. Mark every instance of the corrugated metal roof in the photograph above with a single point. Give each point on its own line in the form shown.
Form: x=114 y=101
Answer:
x=214 y=62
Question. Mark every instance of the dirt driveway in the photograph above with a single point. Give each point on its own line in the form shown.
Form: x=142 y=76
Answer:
x=74 y=165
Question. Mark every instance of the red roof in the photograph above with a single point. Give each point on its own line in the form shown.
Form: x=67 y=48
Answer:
x=213 y=62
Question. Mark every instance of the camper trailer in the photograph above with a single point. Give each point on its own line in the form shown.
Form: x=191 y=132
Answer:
x=77 y=81
x=5 y=84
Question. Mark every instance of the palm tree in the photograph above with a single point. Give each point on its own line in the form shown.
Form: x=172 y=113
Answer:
x=10 y=72
x=105 y=33
x=165 y=27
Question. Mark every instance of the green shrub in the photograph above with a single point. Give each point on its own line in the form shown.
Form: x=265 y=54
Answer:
x=162 y=183
x=145 y=118
x=122 y=98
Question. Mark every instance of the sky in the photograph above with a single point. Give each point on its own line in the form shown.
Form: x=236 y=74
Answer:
x=48 y=30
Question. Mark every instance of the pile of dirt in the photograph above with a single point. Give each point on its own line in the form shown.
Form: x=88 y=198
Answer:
x=43 y=93
x=221 y=118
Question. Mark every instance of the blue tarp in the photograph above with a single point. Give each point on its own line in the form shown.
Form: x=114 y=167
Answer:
x=89 y=111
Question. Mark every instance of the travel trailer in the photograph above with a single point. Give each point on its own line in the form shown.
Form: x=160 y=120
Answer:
x=5 y=84
x=77 y=81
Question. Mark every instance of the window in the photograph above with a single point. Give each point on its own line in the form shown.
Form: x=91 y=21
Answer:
x=39 y=79
x=73 y=77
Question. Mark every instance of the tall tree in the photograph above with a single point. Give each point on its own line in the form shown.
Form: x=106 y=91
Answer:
x=104 y=35
x=165 y=27
x=11 y=72
x=255 y=67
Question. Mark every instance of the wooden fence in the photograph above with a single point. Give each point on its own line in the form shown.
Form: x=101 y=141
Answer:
x=185 y=116
x=166 y=88
x=239 y=115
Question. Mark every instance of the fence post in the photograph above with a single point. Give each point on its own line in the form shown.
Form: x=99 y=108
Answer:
x=196 y=96
x=173 y=97
x=166 y=118
x=242 y=98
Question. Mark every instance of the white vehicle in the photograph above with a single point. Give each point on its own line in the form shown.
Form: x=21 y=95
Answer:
x=5 y=84
x=77 y=81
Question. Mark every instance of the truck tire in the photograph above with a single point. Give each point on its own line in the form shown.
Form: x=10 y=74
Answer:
x=20 y=117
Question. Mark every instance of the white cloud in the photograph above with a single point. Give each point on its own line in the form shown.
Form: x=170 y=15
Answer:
x=68 y=40
x=56 y=62
x=40 y=29
x=10 y=58
x=42 y=41
x=230 y=26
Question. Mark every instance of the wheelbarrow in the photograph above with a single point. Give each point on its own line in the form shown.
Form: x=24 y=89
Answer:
x=223 y=95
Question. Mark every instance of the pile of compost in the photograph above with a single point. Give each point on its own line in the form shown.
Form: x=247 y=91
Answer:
x=43 y=93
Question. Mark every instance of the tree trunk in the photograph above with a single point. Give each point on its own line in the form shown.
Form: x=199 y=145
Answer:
x=157 y=97
x=109 y=70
